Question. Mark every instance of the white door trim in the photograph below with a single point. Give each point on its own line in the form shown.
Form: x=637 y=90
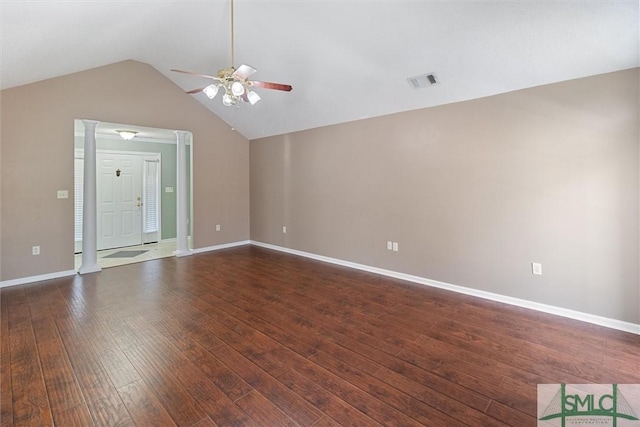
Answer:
x=145 y=156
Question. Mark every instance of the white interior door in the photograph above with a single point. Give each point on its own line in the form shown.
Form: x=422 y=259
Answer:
x=119 y=188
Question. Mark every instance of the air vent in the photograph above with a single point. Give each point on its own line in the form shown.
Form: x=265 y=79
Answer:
x=424 y=80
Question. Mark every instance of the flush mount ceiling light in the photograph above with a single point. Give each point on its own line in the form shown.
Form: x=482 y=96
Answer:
x=234 y=81
x=127 y=135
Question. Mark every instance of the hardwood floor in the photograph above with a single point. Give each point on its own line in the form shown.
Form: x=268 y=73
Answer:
x=251 y=337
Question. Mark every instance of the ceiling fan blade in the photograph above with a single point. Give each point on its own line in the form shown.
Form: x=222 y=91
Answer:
x=196 y=74
x=195 y=91
x=244 y=71
x=275 y=86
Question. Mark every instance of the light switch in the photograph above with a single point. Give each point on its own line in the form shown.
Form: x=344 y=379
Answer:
x=168 y=189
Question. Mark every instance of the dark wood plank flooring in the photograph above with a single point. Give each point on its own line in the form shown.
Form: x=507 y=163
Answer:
x=252 y=337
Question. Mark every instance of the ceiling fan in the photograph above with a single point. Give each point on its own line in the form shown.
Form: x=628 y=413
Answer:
x=234 y=81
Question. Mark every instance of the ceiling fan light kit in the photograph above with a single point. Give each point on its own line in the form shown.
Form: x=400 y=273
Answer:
x=234 y=81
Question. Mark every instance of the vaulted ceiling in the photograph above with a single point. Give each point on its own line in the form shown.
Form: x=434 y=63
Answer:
x=346 y=60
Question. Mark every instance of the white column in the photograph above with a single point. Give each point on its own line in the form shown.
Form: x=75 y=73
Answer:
x=182 y=245
x=89 y=208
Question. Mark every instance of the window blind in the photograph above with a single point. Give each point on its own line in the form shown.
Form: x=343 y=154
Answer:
x=78 y=166
x=150 y=207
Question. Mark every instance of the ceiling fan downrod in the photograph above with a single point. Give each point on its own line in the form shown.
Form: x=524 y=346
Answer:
x=234 y=81
x=233 y=62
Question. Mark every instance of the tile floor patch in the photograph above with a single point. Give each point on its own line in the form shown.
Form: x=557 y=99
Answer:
x=154 y=251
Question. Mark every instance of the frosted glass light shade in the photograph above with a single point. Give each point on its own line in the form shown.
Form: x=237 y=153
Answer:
x=127 y=135
x=227 y=100
x=237 y=88
x=253 y=97
x=211 y=91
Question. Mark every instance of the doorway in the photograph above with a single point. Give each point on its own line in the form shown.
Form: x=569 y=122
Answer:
x=136 y=197
x=128 y=198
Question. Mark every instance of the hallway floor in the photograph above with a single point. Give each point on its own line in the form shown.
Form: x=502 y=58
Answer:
x=153 y=251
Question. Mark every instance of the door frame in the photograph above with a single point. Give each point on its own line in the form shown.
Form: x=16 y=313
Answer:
x=144 y=156
x=87 y=129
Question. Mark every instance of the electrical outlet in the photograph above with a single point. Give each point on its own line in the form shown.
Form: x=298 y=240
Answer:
x=284 y=229
x=63 y=194
x=389 y=246
x=35 y=250
x=536 y=268
x=217 y=227
x=168 y=189
x=395 y=246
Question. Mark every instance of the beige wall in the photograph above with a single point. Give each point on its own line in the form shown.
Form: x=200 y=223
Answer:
x=0 y=183
x=37 y=159
x=473 y=192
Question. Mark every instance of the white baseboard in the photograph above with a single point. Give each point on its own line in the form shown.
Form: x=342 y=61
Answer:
x=559 y=311
x=223 y=246
x=95 y=268
x=179 y=254
x=31 y=279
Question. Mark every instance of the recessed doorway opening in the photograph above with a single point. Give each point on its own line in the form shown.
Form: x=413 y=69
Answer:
x=136 y=193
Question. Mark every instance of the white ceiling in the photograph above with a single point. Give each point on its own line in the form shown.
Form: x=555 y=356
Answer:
x=346 y=60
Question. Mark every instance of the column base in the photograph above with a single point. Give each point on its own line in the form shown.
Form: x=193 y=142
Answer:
x=84 y=269
x=182 y=252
